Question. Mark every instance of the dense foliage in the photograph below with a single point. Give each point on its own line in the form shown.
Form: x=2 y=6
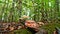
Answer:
x=38 y=10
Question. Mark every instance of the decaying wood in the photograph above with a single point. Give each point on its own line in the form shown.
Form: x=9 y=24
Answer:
x=42 y=31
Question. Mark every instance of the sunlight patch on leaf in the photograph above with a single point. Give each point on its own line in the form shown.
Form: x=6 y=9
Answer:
x=49 y=3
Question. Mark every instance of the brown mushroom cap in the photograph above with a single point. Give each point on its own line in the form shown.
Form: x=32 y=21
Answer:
x=31 y=24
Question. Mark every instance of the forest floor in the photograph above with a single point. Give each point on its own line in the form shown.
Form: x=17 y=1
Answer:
x=50 y=27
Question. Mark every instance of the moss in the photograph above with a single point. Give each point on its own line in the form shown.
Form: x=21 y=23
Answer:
x=50 y=27
x=22 y=31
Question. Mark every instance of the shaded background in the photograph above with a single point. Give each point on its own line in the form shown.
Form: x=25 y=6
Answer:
x=38 y=10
